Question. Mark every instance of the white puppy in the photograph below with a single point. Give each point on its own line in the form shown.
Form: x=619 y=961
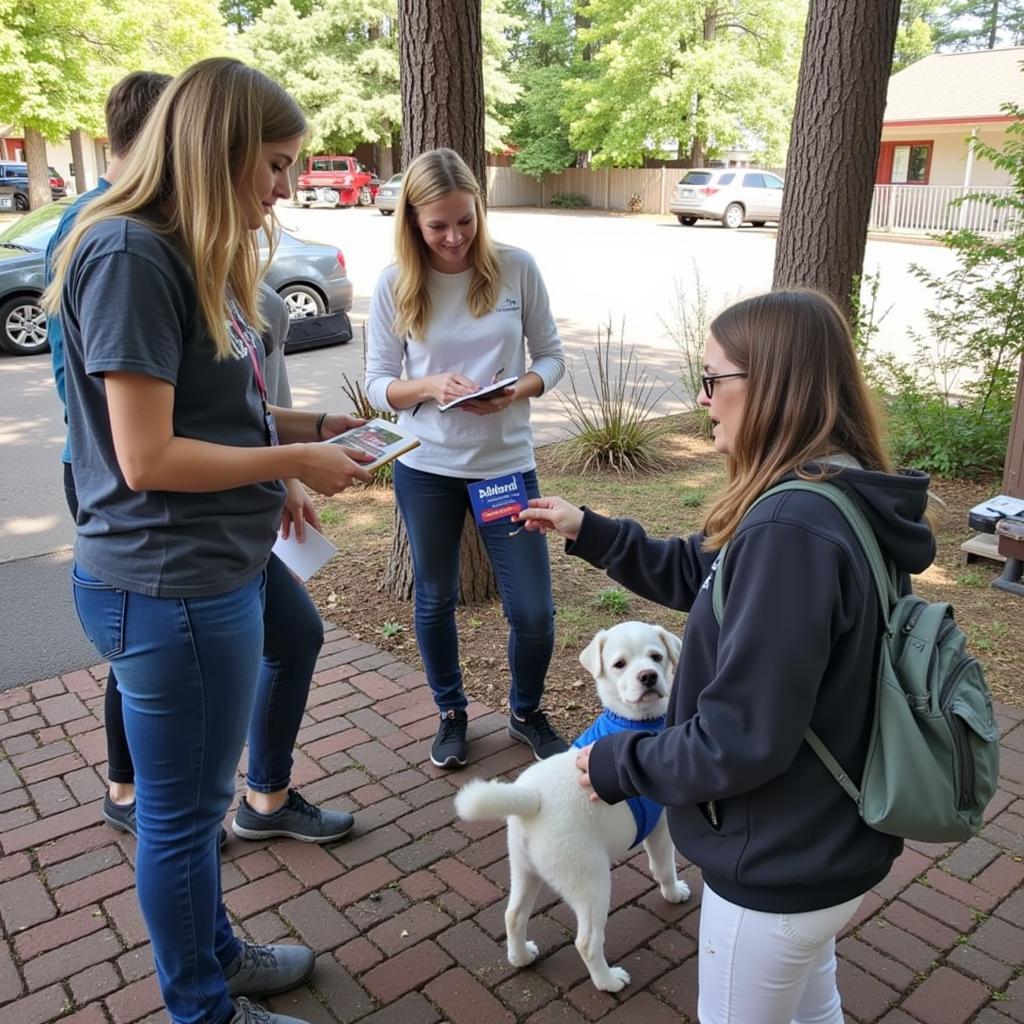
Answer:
x=557 y=834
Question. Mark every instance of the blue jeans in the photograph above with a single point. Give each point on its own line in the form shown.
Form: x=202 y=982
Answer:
x=433 y=508
x=293 y=634
x=187 y=671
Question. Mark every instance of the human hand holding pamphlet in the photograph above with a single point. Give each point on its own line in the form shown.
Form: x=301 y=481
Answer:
x=497 y=499
x=304 y=557
x=491 y=390
x=378 y=439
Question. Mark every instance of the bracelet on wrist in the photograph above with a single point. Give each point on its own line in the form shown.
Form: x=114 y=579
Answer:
x=320 y=426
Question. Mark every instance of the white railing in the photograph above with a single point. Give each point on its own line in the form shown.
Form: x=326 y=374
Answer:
x=928 y=208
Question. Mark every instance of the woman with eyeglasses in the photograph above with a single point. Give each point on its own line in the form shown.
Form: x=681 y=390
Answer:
x=785 y=857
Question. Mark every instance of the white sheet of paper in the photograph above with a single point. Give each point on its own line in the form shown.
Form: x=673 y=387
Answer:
x=304 y=559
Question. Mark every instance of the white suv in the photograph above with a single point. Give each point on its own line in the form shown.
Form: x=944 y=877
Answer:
x=732 y=195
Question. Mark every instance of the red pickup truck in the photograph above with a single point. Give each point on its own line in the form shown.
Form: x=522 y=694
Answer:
x=338 y=180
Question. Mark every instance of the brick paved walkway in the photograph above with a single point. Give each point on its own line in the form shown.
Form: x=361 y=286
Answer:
x=406 y=916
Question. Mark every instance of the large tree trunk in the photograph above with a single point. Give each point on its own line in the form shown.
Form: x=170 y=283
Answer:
x=440 y=48
x=476 y=580
x=383 y=164
x=78 y=159
x=441 y=71
x=38 y=171
x=833 y=152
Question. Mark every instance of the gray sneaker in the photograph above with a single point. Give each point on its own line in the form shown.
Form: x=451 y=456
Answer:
x=537 y=733
x=268 y=970
x=250 y=1013
x=298 y=819
x=122 y=817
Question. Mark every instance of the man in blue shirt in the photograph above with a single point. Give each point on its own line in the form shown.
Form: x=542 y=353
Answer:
x=126 y=110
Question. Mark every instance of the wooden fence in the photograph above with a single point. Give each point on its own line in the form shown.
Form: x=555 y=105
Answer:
x=909 y=208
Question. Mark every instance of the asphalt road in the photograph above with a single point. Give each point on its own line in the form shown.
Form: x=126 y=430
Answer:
x=598 y=268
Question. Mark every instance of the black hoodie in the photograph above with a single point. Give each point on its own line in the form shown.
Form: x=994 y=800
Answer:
x=748 y=801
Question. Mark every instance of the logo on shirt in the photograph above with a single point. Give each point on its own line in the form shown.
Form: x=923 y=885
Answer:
x=508 y=305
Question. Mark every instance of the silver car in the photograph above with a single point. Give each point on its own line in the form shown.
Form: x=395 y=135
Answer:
x=311 y=278
x=732 y=195
x=387 y=195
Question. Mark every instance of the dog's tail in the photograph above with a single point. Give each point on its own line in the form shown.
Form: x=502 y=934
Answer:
x=480 y=800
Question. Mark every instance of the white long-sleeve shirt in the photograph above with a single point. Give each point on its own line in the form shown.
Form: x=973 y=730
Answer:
x=458 y=443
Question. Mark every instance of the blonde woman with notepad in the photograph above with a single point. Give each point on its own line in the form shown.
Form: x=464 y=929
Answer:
x=456 y=313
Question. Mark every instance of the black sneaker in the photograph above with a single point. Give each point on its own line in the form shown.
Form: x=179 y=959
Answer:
x=297 y=819
x=537 y=733
x=449 y=747
x=122 y=817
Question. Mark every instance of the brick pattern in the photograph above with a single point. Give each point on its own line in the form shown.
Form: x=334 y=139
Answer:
x=407 y=914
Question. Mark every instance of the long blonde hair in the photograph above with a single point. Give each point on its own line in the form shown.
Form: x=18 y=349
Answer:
x=806 y=398
x=203 y=136
x=432 y=176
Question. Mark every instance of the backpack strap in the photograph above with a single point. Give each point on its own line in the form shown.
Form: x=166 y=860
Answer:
x=883 y=576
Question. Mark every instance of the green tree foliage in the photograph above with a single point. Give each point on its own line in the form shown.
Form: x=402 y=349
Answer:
x=703 y=75
x=544 y=52
x=916 y=36
x=58 y=60
x=980 y=24
x=339 y=59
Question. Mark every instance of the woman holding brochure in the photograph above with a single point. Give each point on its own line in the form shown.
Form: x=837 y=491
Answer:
x=178 y=474
x=453 y=314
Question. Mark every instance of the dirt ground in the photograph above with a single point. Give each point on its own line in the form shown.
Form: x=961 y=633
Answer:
x=360 y=522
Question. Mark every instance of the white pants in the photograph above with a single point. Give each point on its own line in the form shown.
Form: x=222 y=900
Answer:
x=759 y=968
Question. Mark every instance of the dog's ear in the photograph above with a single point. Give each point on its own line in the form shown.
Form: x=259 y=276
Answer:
x=673 y=645
x=590 y=657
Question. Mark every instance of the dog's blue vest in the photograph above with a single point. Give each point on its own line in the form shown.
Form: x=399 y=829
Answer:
x=645 y=812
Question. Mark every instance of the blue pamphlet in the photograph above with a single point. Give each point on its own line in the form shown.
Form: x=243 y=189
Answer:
x=499 y=498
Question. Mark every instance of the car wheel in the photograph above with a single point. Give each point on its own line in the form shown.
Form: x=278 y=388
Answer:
x=687 y=222
x=758 y=223
x=386 y=213
x=302 y=301
x=20 y=202
x=23 y=326
x=733 y=216
x=365 y=196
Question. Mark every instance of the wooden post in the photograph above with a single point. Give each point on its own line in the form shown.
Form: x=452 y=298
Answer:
x=1013 y=472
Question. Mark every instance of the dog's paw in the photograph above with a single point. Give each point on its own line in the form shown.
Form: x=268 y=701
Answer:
x=677 y=893
x=618 y=978
x=525 y=956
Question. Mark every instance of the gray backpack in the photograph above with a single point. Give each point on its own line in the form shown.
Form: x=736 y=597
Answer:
x=933 y=756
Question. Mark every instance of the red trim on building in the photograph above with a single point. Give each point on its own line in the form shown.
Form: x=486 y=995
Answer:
x=934 y=121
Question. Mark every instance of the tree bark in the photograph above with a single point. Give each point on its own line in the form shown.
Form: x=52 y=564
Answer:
x=38 y=170
x=440 y=49
x=833 y=152
x=383 y=164
x=78 y=159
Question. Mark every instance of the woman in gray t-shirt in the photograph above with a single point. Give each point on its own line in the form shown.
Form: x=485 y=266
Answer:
x=178 y=471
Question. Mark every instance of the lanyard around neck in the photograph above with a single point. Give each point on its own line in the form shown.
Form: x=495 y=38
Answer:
x=243 y=336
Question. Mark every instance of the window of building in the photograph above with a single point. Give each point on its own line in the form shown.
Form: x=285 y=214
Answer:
x=910 y=164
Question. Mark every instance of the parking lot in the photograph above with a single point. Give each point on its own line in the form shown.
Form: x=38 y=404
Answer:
x=597 y=267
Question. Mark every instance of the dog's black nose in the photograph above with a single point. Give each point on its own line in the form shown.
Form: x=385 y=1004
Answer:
x=648 y=678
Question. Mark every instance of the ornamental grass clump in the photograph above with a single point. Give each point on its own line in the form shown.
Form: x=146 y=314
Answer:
x=615 y=429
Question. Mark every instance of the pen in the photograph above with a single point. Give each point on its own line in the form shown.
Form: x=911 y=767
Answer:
x=416 y=408
x=497 y=374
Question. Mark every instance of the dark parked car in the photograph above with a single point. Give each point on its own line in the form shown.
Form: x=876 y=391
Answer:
x=309 y=276
x=14 y=174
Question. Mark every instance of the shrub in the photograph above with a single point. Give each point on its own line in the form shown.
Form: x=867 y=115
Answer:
x=636 y=203
x=569 y=200
x=612 y=599
x=616 y=429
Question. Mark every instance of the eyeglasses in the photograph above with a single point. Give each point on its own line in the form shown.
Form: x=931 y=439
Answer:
x=708 y=381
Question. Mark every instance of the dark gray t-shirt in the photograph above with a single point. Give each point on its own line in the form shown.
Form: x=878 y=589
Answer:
x=129 y=304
